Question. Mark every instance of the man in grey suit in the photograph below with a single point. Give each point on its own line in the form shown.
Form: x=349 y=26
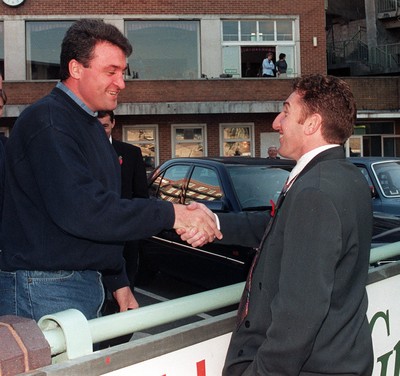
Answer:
x=303 y=310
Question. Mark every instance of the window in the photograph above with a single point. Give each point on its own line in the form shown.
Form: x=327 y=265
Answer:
x=378 y=139
x=230 y=30
x=143 y=136
x=248 y=30
x=256 y=31
x=188 y=140
x=284 y=30
x=169 y=186
x=203 y=186
x=43 y=47
x=164 y=49
x=267 y=30
x=2 y=48
x=237 y=140
x=245 y=44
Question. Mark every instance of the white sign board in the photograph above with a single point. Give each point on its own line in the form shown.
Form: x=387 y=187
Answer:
x=207 y=358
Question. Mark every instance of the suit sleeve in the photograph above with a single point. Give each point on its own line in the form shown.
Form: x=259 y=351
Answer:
x=245 y=228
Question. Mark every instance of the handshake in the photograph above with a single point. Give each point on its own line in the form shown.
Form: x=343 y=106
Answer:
x=196 y=224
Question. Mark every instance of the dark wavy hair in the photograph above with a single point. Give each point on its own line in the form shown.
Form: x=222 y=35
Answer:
x=81 y=38
x=332 y=98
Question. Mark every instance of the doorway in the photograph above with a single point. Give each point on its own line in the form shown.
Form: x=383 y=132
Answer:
x=252 y=58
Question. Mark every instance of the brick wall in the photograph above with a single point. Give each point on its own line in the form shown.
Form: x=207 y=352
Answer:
x=372 y=93
x=311 y=12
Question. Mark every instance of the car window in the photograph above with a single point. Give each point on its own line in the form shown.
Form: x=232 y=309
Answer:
x=169 y=185
x=256 y=186
x=203 y=185
x=388 y=175
x=366 y=175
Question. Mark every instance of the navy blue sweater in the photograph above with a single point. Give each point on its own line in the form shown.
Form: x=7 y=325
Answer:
x=62 y=206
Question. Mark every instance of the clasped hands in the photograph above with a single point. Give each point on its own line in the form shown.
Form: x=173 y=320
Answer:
x=196 y=224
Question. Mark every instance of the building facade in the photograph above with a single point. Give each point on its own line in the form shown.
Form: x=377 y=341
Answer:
x=193 y=87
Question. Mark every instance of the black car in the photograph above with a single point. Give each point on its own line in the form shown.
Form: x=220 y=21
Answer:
x=236 y=184
x=224 y=184
x=383 y=176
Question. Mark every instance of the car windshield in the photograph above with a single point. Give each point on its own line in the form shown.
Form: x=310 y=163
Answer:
x=256 y=186
x=388 y=175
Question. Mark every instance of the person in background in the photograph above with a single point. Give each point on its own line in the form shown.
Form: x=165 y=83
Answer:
x=303 y=308
x=3 y=102
x=64 y=222
x=272 y=152
x=281 y=66
x=3 y=140
x=133 y=183
x=268 y=66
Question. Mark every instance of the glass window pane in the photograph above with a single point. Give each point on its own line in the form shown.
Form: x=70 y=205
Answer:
x=43 y=47
x=237 y=133
x=203 y=185
x=266 y=30
x=164 y=49
x=248 y=30
x=193 y=149
x=236 y=141
x=230 y=30
x=170 y=185
x=144 y=138
x=255 y=186
x=374 y=128
x=284 y=30
x=240 y=148
x=188 y=134
x=189 y=141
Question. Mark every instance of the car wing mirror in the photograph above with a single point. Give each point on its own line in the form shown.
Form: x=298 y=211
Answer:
x=373 y=192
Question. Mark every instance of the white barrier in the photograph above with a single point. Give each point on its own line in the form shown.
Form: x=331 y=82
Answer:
x=199 y=349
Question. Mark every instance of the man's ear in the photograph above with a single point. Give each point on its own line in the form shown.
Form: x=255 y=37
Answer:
x=75 y=68
x=313 y=123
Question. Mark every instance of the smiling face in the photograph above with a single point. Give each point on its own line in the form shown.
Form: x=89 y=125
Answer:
x=99 y=84
x=292 y=135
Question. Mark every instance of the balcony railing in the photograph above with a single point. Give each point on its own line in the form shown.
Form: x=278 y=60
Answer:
x=386 y=6
x=375 y=60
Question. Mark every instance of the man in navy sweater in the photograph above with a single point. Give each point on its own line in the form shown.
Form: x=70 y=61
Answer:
x=64 y=222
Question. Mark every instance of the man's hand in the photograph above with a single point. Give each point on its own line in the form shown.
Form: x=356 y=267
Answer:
x=196 y=224
x=125 y=299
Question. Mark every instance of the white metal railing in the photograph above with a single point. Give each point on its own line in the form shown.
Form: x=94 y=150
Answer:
x=71 y=335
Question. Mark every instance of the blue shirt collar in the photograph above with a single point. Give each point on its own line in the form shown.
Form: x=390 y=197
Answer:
x=67 y=91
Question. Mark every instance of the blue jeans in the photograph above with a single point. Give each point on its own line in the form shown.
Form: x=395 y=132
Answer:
x=33 y=294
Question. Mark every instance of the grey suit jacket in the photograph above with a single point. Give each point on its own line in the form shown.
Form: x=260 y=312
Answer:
x=307 y=308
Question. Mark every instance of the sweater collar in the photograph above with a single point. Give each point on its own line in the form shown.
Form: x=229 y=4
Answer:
x=80 y=103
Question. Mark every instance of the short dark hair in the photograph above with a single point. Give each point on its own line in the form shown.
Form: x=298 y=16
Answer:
x=282 y=56
x=332 y=98
x=81 y=39
x=103 y=114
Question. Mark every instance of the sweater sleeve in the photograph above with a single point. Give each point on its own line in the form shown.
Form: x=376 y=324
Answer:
x=74 y=190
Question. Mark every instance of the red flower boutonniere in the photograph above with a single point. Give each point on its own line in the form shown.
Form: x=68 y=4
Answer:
x=273 y=206
x=120 y=160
